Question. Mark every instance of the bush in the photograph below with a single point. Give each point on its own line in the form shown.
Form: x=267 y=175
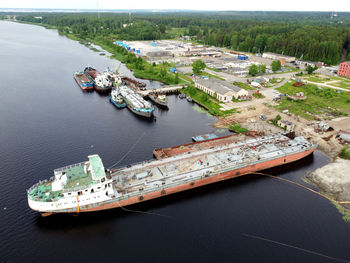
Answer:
x=237 y=128
x=345 y=153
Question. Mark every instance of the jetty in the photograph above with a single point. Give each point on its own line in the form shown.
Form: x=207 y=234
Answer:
x=169 y=89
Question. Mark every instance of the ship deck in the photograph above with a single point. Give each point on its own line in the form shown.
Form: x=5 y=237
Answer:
x=193 y=165
x=162 y=153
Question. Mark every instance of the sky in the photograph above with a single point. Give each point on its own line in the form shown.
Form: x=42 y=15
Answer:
x=253 y=5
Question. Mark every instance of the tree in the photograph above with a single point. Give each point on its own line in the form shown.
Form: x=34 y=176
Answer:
x=198 y=66
x=253 y=70
x=262 y=68
x=177 y=78
x=162 y=28
x=310 y=69
x=276 y=65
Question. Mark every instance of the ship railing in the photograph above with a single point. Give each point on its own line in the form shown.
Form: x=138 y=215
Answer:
x=68 y=167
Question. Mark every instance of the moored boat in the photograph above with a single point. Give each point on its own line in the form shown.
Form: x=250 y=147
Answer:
x=88 y=186
x=116 y=99
x=83 y=81
x=102 y=83
x=133 y=83
x=136 y=103
x=159 y=99
x=93 y=73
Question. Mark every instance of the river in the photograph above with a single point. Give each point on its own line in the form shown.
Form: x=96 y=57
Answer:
x=48 y=122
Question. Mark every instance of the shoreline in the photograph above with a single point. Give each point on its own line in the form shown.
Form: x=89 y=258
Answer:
x=333 y=179
x=137 y=73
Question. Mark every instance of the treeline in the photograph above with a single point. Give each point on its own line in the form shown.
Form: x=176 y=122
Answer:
x=311 y=36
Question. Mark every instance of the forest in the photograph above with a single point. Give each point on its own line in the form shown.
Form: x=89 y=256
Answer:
x=314 y=36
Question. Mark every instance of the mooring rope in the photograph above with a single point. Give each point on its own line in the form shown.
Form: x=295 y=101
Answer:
x=131 y=148
x=303 y=186
x=142 y=212
x=298 y=248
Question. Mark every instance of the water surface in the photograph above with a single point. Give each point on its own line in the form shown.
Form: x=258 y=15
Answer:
x=48 y=122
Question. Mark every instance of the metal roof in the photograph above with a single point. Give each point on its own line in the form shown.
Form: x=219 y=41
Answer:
x=219 y=86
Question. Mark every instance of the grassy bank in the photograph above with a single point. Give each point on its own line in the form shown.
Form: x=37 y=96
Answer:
x=207 y=101
x=237 y=128
x=319 y=101
x=139 y=66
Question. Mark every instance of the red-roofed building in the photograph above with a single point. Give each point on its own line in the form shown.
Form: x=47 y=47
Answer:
x=344 y=69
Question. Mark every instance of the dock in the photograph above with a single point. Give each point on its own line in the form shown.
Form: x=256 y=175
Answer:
x=169 y=89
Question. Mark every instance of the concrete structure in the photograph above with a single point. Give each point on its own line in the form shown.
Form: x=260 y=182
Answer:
x=223 y=91
x=287 y=125
x=344 y=135
x=344 y=69
x=274 y=56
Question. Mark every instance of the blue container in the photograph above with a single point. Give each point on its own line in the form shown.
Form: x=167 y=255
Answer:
x=242 y=57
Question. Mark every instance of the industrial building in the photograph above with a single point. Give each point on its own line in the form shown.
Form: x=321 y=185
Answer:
x=222 y=90
x=344 y=69
x=274 y=56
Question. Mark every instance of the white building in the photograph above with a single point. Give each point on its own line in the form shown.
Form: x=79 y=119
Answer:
x=222 y=90
x=275 y=56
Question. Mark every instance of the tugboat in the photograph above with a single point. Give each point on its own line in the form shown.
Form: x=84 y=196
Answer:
x=83 y=81
x=161 y=100
x=117 y=99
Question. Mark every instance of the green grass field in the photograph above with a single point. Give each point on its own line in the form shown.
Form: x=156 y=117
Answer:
x=209 y=102
x=319 y=101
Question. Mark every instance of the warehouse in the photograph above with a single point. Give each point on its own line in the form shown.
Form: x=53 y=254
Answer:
x=222 y=90
x=274 y=56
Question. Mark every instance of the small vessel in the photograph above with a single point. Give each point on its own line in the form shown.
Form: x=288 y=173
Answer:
x=204 y=137
x=135 y=102
x=88 y=186
x=116 y=99
x=188 y=98
x=182 y=96
x=132 y=83
x=83 y=81
x=159 y=99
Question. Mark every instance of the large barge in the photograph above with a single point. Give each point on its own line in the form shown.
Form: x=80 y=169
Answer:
x=83 y=81
x=88 y=186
